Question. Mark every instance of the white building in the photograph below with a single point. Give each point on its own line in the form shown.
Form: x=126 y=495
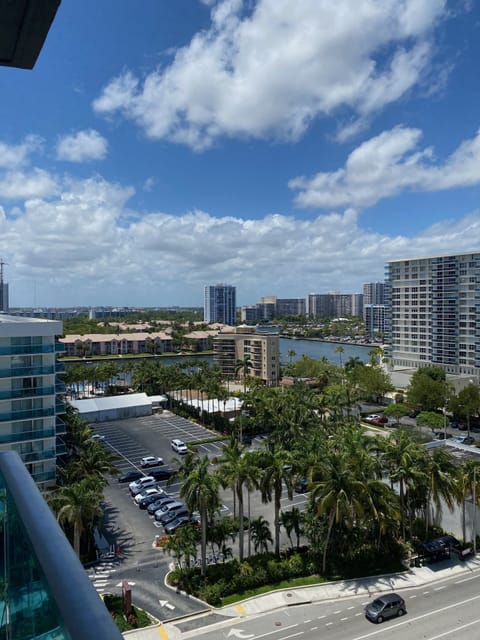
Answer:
x=28 y=388
x=432 y=313
x=220 y=304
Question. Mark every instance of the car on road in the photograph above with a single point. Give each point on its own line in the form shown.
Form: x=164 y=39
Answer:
x=141 y=484
x=376 y=419
x=150 y=491
x=179 y=446
x=464 y=439
x=390 y=605
x=171 y=527
x=132 y=475
x=150 y=461
x=301 y=486
x=159 y=502
x=440 y=435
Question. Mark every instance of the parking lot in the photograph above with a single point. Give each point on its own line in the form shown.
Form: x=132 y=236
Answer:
x=131 y=531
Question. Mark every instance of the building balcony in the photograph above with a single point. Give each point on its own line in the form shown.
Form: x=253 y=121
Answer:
x=26 y=436
x=26 y=349
x=59 y=367
x=60 y=426
x=28 y=392
x=26 y=372
x=12 y=416
x=38 y=456
x=60 y=387
x=59 y=406
x=44 y=476
x=59 y=347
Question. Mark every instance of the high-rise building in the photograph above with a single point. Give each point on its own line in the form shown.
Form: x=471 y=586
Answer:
x=220 y=304
x=3 y=290
x=261 y=349
x=374 y=317
x=374 y=293
x=28 y=393
x=334 y=304
x=432 y=313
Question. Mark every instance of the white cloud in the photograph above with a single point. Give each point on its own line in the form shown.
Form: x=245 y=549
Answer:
x=85 y=246
x=387 y=165
x=82 y=146
x=13 y=156
x=271 y=71
x=20 y=185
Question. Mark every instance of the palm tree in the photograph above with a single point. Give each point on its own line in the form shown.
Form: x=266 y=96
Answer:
x=276 y=463
x=340 y=350
x=405 y=461
x=75 y=505
x=238 y=469
x=442 y=475
x=200 y=493
x=244 y=366
x=292 y=520
x=261 y=534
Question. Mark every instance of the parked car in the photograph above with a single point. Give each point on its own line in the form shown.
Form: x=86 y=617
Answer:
x=97 y=436
x=179 y=446
x=151 y=494
x=414 y=413
x=159 y=502
x=464 y=440
x=131 y=476
x=171 y=527
x=150 y=491
x=170 y=516
x=387 y=606
x=141 y=484
x=170 y=506
x=150 y=461
x=161 y=473
x=376 y=418
x=301 y=486
x=440 y=435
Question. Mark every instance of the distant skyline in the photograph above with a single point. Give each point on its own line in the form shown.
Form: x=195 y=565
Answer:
x=285 y=148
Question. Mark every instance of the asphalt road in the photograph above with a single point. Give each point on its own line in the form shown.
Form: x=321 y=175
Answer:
x=447 y=610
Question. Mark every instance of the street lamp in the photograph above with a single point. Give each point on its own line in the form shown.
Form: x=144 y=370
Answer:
x=474 y=519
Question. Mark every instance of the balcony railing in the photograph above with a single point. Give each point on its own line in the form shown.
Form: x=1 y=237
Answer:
x=11 y=416
x=25 y=372
x=59 y=347
x=60 y=426
x=26 y=436
x=26 y=349
x=36 y=456
x=26 y=392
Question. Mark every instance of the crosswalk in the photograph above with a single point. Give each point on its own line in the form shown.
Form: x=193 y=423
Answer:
x=102 y=575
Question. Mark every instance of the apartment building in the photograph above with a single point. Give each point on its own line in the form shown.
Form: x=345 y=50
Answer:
x=105 y=344
x=29 y=405
x=262 y=349
x=374 y=318
x=432 y=313
x=220 y=304
x=374 y=293
x=334 y=305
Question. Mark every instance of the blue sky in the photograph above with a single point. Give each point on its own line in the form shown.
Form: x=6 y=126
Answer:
x=285 y=148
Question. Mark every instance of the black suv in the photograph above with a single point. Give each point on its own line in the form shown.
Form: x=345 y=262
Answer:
x=160 y=473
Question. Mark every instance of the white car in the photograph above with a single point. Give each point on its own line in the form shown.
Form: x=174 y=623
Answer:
x=150 y=491
x=150 y=461
x=139 y=484
x=179 y=446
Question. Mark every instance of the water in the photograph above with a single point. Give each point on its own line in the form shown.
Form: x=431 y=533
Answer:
x=317 y=350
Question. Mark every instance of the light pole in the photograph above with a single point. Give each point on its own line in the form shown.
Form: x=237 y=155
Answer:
x=474 y=519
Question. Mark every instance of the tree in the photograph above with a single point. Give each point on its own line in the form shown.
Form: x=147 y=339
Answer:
x=467 y=403
x=292 y=521
x=396 y=410
x=200 y=493
x=237 y=469
x=276 y=463
x=244 y=365
x=261 y=534
x=427 y=388
x=442 y=476
x=76 y=505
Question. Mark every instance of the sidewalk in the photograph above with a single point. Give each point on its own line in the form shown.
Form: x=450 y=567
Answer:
x=369 y=587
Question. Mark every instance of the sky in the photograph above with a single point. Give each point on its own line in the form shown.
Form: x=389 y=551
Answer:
x=283 y=147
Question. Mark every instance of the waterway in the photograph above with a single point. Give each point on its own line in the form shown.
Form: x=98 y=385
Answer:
x=315 y=349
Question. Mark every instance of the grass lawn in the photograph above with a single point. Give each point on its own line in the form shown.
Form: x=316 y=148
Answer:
x=307 y=581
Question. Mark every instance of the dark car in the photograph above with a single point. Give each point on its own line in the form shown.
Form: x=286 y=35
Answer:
x=160 y=473
x=387 y=606
x=170 y=516
x=440 y=435
x=158 y=504
x=176 y=524
x=130 y=476
x=301 y=486
x=413 y=414
x=145 y=502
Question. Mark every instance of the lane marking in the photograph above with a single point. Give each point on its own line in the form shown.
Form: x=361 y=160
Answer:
x=162 y=632
x=439 y=588
x=446 y=633
x=240 y=608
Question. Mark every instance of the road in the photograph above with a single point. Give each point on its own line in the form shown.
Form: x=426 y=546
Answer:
x=447 y=610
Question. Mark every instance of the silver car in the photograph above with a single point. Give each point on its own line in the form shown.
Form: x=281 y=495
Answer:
x=387 y=606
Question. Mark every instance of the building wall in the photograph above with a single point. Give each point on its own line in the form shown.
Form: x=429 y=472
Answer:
x=220 y=304
x=261 y=349
x=433 y=313
x=374 y=293
x=4 y=297
x=28 y=393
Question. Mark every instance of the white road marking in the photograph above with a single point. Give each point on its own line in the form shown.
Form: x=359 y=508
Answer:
x=446 y=633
